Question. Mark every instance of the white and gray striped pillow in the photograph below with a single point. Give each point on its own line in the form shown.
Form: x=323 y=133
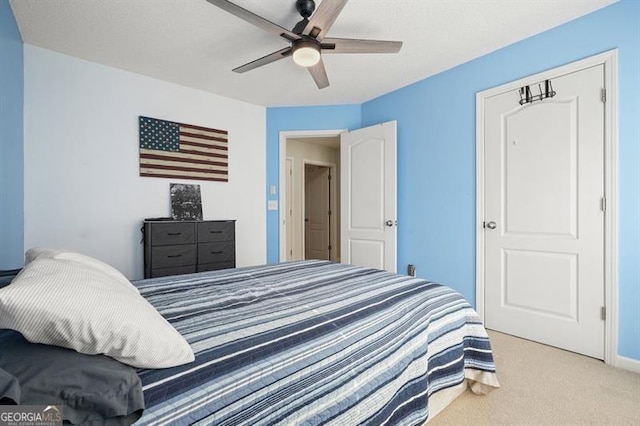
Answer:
x=65 y=303
x=42 y=252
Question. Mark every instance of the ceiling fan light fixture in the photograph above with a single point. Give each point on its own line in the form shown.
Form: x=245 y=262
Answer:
x=306 y=53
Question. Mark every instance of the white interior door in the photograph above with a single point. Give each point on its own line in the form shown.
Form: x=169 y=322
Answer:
x=368 y=196
x=544 y=240
x=316 y=187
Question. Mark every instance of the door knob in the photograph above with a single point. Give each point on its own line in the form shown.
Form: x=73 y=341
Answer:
x=491 y=225
x=389 y=223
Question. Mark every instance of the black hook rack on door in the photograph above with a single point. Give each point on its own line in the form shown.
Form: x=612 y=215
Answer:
x=526 y=96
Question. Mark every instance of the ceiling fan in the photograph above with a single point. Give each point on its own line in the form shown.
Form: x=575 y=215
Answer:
x=308 y=38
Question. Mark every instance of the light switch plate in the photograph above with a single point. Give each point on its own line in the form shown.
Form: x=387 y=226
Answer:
x=272 y=205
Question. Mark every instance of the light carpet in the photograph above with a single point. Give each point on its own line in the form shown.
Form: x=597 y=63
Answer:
x=542 y=385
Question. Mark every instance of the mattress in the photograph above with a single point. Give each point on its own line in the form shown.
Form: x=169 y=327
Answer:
x=312 y=342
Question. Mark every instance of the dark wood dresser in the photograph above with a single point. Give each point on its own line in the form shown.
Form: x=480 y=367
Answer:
x=184 y=247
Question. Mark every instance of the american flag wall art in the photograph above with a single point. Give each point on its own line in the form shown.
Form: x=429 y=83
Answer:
x=176 y=150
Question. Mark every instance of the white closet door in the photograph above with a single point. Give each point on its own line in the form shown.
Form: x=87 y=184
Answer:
x=544 y=240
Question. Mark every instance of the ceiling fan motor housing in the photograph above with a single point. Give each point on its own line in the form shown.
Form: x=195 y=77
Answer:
x=305 y=7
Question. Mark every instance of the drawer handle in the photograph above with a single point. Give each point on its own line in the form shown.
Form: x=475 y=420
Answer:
x=174 y=233
x=175 y=255
x=216 y=232
x=217 y=252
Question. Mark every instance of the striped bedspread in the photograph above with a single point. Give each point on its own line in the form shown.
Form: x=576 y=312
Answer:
x=311 y=342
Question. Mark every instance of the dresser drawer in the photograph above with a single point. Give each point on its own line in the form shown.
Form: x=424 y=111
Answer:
x=164 y=234
x=209 y=232
x=178 y=270
x=172 y=256
x=216 y=252
x=186 y=247
x=216 y=266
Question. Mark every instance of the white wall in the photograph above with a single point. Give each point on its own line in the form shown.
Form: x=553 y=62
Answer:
x=82 y=186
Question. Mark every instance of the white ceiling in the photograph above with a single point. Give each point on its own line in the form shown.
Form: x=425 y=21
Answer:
x=195 y=44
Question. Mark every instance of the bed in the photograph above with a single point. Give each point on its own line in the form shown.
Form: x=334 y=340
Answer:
x=309 y=342
x=313 y=342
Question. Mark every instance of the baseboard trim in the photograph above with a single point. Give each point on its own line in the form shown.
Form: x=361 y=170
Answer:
x=627 y=363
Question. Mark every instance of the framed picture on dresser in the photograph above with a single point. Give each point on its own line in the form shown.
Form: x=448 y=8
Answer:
x=186 y=201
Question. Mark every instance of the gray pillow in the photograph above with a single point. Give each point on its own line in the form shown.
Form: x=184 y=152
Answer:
x=7 y=276
x=90 y=388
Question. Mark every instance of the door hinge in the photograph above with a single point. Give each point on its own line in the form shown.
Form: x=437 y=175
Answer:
x=329 y=212
x=329 y=177
x=603 y=313
x=604 y=95
x=329 y=248
x=603 y=204
x=291 y=252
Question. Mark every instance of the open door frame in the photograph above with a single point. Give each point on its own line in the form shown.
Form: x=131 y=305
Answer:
x=282 y=155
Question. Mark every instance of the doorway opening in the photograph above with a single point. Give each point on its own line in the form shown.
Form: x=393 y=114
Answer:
x=363 y=194
x=310 y=195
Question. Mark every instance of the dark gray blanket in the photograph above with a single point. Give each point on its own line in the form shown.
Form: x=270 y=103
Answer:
x=92 y=389
x=9 y=389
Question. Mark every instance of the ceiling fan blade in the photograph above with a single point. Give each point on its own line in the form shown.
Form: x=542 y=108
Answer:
x=323 y=18
x=254 y=19
x=319 y=74
x=349 y=45
x=272 y=57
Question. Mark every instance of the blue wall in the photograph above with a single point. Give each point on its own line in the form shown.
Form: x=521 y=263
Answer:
x=11 y=141
x=436 y=152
